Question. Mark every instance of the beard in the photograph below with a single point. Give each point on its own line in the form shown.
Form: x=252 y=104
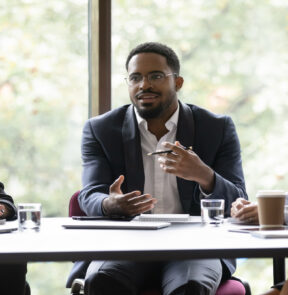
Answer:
x=147 y=111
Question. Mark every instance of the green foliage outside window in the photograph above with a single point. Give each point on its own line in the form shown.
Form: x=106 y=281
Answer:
x=43 y=106
x=234 y=61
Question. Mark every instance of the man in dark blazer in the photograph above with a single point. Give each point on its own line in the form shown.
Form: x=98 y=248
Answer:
x=12 y=276
x=119 y=178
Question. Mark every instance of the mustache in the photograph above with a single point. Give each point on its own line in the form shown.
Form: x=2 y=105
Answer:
x=145 y=91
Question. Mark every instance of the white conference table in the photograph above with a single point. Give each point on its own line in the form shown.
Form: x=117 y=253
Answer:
x=179 y=241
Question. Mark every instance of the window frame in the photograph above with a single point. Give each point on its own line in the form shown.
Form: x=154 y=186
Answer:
x=99 y=56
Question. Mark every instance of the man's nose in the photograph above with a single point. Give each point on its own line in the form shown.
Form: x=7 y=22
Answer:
x=145 y=83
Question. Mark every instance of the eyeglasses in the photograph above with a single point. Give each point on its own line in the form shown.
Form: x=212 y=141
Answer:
x=154 y=78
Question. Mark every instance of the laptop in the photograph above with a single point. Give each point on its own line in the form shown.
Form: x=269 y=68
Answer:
x=7 y=227
x=112 y=224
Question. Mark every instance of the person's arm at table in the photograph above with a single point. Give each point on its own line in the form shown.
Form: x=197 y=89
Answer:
x=245 y=211
x=7 y=208
x=101 y=193
x=5 y=211
x=224 y=177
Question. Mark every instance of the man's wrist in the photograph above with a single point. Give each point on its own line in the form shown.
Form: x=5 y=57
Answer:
x=208 y=181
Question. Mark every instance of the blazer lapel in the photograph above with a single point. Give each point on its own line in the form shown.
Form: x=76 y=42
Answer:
x=186 y=136
x=132 y=152
x=186 y=126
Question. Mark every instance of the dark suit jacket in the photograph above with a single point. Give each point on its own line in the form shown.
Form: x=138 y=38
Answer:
x=111 y=146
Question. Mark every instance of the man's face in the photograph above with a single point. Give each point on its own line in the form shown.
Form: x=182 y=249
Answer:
x=154 y=98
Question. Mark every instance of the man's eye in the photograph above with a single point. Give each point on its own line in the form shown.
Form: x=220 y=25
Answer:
x=156 y=76
x=135 y=78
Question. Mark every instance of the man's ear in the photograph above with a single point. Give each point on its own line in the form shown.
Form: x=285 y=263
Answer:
x=178 y=83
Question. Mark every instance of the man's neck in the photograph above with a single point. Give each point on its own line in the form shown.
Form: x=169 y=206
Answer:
x=157 y=127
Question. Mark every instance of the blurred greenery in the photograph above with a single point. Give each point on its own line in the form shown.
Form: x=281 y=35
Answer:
x=43 y=106
x=234 y=61
x=44 y=99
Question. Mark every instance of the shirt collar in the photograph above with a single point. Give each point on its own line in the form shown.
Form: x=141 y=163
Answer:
x=169 y=124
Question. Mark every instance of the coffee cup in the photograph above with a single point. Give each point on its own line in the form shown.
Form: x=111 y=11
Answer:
x=271 y=208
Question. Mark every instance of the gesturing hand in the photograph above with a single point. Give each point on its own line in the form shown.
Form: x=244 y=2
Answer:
x=129 y=204
x=187 y=164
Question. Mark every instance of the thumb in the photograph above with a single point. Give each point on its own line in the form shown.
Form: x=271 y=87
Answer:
x=177 y=143
x=115 y=187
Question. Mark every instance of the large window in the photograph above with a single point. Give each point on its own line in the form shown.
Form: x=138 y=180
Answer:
x=43 y=99
x=235 y=61
x=43 y=106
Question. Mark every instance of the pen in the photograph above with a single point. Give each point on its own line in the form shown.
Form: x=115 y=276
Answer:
x=167 y=151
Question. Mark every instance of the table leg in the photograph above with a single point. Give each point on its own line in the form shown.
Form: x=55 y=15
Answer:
x=279 y=269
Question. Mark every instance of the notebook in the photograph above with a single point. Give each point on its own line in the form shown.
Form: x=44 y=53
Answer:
x=172 y=218
x=106 y=224
x=270 y=234
x=256 y=229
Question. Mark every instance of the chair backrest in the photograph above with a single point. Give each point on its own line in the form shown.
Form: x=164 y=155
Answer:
x=229 y=287
x=74 y=208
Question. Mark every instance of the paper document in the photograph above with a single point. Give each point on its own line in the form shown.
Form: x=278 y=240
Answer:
x=164 y=217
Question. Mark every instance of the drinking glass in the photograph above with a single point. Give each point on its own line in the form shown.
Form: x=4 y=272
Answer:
x=29 y=216
x=212 y=211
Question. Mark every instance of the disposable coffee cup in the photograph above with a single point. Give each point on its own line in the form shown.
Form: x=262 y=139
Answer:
x=271 y=208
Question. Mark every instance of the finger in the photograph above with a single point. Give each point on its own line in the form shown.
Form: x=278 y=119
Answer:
x=141 y=207
x=171 y=156
x=115 y=187
x=177 y=143
x=179 y=150
x=139 y=199
x=250 y=215
x=245 y=202
x=167 y=162
x=241 y=203
x=250 y=208
x=168 y=169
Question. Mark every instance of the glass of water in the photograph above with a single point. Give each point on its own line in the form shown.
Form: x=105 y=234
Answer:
x=29 y=216
x=212 y=211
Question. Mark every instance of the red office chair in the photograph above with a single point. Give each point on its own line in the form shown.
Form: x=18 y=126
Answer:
x=233 y=286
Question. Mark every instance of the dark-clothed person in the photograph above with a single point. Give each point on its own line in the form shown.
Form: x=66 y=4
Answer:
x=12 y=276
x=119 y=178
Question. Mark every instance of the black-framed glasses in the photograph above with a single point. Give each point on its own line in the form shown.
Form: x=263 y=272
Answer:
x=154 y=78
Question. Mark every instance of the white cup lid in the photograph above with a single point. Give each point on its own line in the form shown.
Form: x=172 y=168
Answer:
x=270 y=193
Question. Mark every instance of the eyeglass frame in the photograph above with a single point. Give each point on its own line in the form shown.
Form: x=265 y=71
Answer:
x=151 y=82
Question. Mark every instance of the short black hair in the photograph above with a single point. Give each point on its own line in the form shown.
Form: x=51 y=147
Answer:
x=158 y=48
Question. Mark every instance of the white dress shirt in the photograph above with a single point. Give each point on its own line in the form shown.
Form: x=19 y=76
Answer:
x=161 y=185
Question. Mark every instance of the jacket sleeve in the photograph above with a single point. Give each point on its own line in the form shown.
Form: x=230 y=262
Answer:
x=96 y=175
x=229 y=177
